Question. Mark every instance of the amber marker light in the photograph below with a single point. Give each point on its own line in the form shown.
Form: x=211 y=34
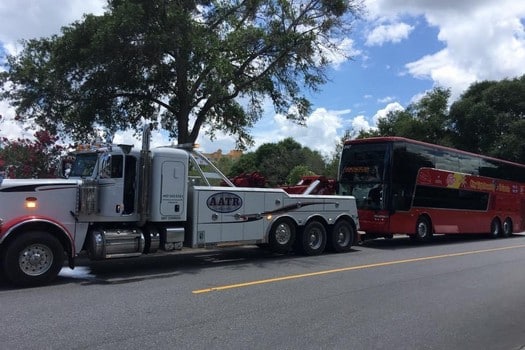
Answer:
x=30 y=202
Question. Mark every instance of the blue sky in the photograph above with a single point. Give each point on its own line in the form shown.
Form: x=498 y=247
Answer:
x=400 y=50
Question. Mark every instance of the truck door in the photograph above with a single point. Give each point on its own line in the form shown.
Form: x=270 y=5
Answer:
x=111 y=183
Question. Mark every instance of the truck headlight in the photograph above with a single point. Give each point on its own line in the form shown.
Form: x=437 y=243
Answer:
x=30 y=202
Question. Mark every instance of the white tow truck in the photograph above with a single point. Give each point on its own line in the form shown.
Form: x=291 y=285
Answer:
x=119 y=203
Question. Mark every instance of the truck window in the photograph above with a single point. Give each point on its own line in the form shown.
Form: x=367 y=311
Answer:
x=84 y=165
x=116 y=166
x=202 y=172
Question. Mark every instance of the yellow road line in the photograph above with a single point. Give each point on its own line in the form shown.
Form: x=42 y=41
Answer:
x=350 y=268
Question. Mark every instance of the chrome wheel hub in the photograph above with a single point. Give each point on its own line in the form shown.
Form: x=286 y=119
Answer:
x=35 y=259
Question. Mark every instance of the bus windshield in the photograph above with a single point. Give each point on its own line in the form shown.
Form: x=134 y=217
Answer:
x=362 y=174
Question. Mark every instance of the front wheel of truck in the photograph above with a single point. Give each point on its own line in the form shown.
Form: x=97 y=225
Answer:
x=32 y=258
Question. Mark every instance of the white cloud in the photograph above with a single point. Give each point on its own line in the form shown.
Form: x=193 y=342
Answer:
x=345 y=49
x=386 y=99
x=484 y=39
x=322 y=132
x=25 y=19
x=382 y=113
x=359 y=123
x=388 y=33
x=9 y=127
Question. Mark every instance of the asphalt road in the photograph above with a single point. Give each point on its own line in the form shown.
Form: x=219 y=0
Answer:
x=455 y=293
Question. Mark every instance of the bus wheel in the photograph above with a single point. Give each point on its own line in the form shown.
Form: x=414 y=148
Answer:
x=33 y=258
x=495 y=228
x=342 y=236
x=423 y=230
x=282 y=236
x=507 y=227
x=312 y=239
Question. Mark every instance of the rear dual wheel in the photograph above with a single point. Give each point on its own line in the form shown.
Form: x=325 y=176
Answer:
x=495 y=228
x=312 y=239
x=342 y=236
x=507 y=228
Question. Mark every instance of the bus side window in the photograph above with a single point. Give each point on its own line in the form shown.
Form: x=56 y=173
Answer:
x=469 y=165
x=401 y=196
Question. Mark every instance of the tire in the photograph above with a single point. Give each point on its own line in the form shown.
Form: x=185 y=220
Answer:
x=342 y=236
x=423 y=230
x=282 y=236
x=495 y=228
x=312 y=239
x=507 y=228
x=33 y=258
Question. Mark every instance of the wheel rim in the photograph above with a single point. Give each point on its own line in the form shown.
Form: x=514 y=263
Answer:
x=315 y=239
x=507 y=228
x=283 y=233
x=35 y=259
x=422 y=230
x=495 y=228
x=342 y=236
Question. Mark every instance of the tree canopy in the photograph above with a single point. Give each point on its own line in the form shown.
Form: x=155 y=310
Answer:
x=425 y=120
x=181 y=64
x=276 y=162
x=488 y=118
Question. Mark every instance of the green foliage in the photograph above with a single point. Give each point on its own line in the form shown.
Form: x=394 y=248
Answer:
x=24 y=158
x=181 y=64
x=246 y=163
x=489 y=118
x=275 y=161
x=297 y=172
x=424 y=120
x=225 y=164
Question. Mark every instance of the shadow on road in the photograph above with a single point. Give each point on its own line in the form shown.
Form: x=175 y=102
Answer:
x=406 y=242
x=185 y=262
x=193 y=261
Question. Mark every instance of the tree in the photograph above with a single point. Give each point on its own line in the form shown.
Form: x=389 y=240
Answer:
x=275 y=161
x=425 y=120
x=297 y=172
x=224 y=164
x=246 y=163
x=184 y=63
x=24 y=158
x=489 y=118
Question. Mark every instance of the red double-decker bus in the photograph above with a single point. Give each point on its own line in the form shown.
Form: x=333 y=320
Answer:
x=404 y=186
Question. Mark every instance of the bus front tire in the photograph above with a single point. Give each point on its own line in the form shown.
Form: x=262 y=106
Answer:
x=423 y=230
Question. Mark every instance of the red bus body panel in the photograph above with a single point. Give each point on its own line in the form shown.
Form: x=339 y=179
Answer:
x=506 y=199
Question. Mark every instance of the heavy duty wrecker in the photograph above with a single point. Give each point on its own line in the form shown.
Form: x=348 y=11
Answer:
x=119 y=203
